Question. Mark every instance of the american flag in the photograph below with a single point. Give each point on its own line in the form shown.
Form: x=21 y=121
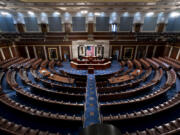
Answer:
x=90 y=51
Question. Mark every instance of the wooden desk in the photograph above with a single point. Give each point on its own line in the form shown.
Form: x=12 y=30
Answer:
x=86 y=66
x=124 y=78
x=55 y=77
x=91 y=70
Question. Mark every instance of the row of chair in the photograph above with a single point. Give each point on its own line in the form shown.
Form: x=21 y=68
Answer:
x=145 y=64
x=164 y=65
x=44 y=63
x=171 y=75
x=7 y=127
x=172 y=63
x=7 y=60
x=12 y=82
x=28 y=64
x=154 y=64
x=6 y=65
x=131 y=93
x=19 y=63
x=126 y=85
x=130 y=67
x=147 y=112
x=36 y=63
x=137 y=64
x=36 y=113
x=171 y=128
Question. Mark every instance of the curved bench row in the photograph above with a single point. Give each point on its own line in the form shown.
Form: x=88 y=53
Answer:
x=145 y=64
x=6 y=65
x=137 y=64
x=172 y=63
x=33 y=112
x=55 y=85
x=171 y=128
x=7 y=127
x=36 y=64
x=126 y=85
x=130 y=93
x=147 y=112
x=164 y=65
x=171 y=75
x=21 y=91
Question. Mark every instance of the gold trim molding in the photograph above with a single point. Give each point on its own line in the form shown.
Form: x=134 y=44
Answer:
x=66 y=1
x=49 y=53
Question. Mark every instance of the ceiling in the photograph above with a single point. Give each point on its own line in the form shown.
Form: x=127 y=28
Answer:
x=90 y=5
x=50 y=1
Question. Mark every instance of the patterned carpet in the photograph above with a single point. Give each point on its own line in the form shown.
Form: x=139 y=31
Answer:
x=91 y=113
x=115 y=66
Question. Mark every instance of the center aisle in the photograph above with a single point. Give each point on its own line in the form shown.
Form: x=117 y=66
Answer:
x=92 y=115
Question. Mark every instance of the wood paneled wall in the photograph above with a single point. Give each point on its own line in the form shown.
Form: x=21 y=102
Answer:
x=58 y=55
x=1 y=57
x=42 y=51
x=44 y=28
x=90 y=28
x=141 y=51
x=159 y=51
x=123 y=51
x=67 y=28
x=150 y=51
x=160 y=27
x=172 y=51
x=31 y=51
x=6 y=52
x=20 y=27
x=137 y=27
x=21 y=51
x=65 y=50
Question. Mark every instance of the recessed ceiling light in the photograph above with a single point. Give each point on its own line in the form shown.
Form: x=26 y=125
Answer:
x=31 y=13
x=63 y=8
x=84 y=12
x=174 y=14
x=97 y=14
x=151 y=3
x=149 y=14
x=56 y=14
x=5 y=13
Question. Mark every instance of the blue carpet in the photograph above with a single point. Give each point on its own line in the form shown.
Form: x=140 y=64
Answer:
x=115 y=66
x=92 y=111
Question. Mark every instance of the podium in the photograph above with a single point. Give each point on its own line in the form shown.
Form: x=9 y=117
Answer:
x=91 y=70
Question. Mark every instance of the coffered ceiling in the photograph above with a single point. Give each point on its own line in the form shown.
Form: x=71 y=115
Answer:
x=91 y=5
x=50 y=1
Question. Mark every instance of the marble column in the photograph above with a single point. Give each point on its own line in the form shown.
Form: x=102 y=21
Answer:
x=110 y=51
x=121 y=48
x=147 y=47
x=45 y=53
x=27 y=52
x=60 y=54
x=2 y=53
x=11 y=52
x=70 y=47
x=135 y=52
x=170 y=51
x=177 y=57
x=35 y=54
x=154 y=51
